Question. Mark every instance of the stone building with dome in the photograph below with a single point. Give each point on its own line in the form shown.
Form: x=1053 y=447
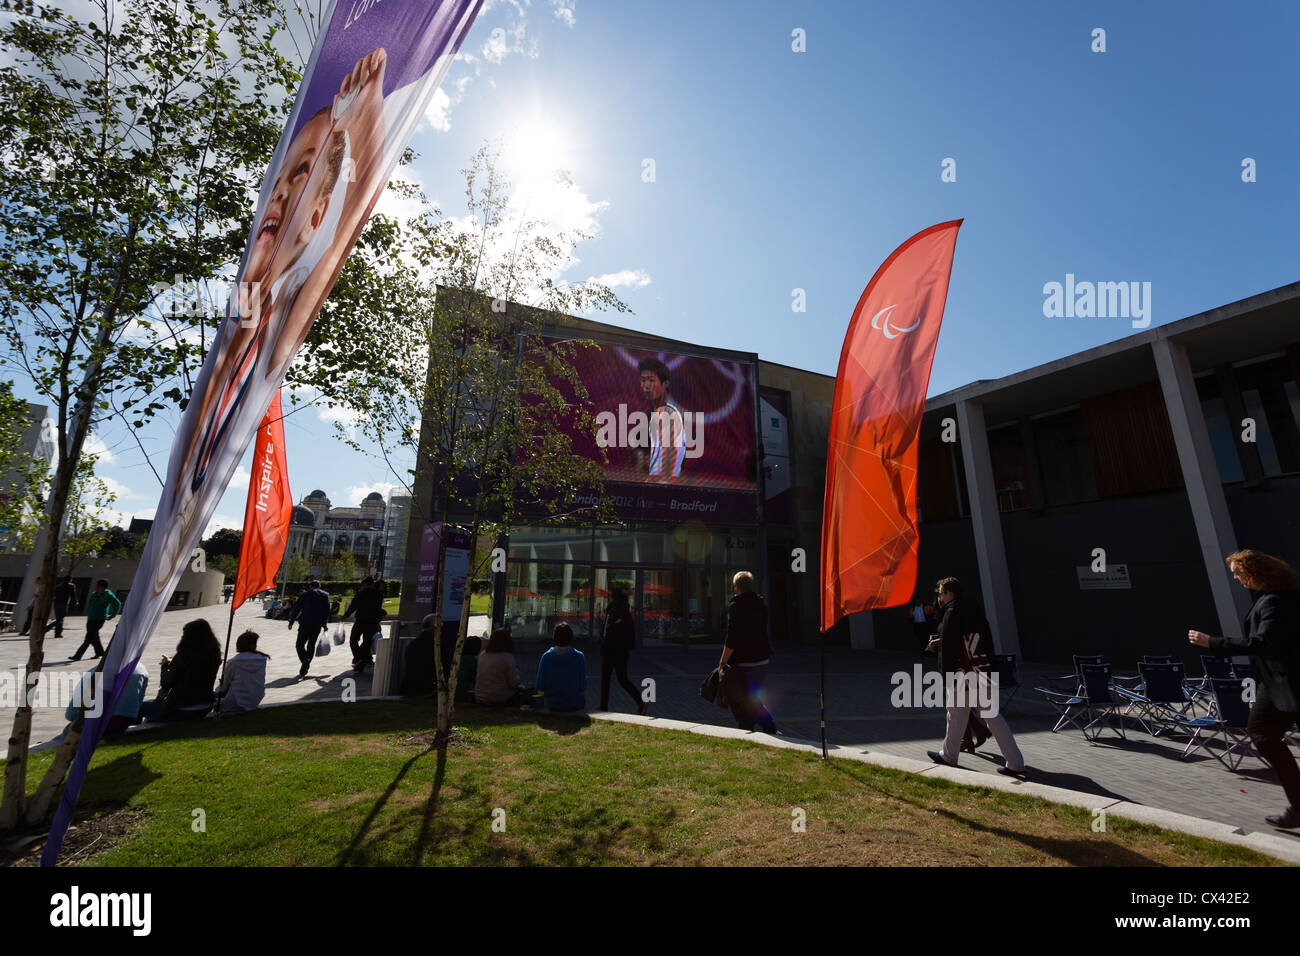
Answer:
x=319 y=532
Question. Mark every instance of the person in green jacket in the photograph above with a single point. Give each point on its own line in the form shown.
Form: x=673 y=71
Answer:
x=100 y=606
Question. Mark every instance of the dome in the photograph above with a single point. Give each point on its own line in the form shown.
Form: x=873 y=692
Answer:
x=375 y=496
x=302 y=515
x=317 y=494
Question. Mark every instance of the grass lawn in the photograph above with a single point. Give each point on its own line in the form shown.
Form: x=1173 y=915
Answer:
x=326 y=784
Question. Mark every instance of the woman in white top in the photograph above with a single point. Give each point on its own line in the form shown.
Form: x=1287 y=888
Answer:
x=244 y=683
x=496 y=682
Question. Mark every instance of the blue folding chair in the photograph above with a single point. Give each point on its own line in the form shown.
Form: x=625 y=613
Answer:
x=1004 y=665
x=1228 y=721
x=1094 y=703
x=1161 y=700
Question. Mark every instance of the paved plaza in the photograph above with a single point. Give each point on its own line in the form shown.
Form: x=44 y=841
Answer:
x=1140 y=769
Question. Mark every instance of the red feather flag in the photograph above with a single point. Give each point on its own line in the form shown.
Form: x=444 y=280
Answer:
x=869 y=516
x=266 y=516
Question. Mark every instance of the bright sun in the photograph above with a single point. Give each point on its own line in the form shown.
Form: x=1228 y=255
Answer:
x=534 y=152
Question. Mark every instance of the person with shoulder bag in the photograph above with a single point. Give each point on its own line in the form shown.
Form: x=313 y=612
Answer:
x=965 y=647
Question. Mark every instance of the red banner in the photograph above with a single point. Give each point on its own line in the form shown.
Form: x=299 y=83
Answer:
x=869 y=516
x=266 y=516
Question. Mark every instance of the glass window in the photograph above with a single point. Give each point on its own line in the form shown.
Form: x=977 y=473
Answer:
x=1223 y=439
x=550 y=543
x=1264 y=390
x=1010 y=477
x=541 y=594
x=1065 y=458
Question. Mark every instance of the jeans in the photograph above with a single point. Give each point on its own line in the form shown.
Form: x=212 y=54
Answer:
x=614 y=661
x=92 y=639
x=1267 y=728
x=751 y=710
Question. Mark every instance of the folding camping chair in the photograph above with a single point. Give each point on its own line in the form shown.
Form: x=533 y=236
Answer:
x=1095 y=703
x=1004 y=665
x=1161 y=700
x=1229 y=720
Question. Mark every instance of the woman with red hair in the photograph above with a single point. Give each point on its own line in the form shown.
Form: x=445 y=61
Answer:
x=1273 y=642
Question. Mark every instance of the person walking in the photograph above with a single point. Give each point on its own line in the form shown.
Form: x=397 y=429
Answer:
x=311 y=612
x=615 y=647
x=748 y=650
x=368 y=604
x=965 y=647
x=65 y=599
x=1273 y=642
x=100 y=607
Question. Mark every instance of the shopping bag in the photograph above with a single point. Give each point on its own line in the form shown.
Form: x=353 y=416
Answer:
x=322 y=647
x=340 y=635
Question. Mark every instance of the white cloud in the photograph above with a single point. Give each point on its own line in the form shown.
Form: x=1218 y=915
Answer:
x=94 y=445
x=631 y=278
x=564 y=11
x=122 y=492
x=439 y=109
x=240 y=478
x=339 y=413
x=218 y=522
x=357 y=493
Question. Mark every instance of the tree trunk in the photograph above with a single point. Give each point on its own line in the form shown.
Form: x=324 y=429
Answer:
x=14 y=802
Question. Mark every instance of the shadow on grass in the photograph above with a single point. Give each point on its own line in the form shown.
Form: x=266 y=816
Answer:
x=353 y=854
x=1080 y=852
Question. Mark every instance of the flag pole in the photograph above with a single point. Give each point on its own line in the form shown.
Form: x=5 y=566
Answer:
x=822 y=695
x=230 y=626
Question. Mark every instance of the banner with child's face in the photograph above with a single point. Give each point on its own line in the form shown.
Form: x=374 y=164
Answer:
x=375 y=66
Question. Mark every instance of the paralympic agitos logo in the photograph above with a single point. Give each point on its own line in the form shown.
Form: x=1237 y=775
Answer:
x=882 y=323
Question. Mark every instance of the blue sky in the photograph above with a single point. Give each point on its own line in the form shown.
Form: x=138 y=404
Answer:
x=777 y=170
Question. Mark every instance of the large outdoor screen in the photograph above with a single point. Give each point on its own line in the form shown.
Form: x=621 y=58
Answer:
x=678 y=431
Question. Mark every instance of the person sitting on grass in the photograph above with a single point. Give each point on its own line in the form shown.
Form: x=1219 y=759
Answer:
x=186 y=682
x=562 y=673
x=244 y=683
x=420 y=678
x=496 y=677
x=468 y=670
x=125 y=713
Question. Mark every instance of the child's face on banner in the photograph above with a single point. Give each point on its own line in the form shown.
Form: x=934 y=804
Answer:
x=296 y=206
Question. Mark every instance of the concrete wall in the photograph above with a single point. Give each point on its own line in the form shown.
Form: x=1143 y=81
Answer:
x=1268 y=518
x=202 y=589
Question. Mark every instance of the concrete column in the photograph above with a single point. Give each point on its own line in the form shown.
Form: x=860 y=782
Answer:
x=986 y=523
x=1214 y=528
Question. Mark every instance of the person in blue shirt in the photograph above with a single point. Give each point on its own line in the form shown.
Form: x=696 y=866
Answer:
x=562 y=673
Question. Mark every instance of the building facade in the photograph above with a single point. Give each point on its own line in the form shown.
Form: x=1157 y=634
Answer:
x=319 y=532
x=725 y=474
x=1089 y=503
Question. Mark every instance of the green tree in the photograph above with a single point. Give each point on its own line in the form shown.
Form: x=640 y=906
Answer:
x=296 y=568
x=451 y=366
x=227 y=565
x=133 y=133
x=23 y=477
x=85 y=531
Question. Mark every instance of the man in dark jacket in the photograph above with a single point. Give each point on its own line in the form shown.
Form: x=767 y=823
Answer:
x=368 y=603
x=1273 y=642
x=965 y=646
x=748 y=651
x=619 y=639
x=311 y=612
x=65 y=598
